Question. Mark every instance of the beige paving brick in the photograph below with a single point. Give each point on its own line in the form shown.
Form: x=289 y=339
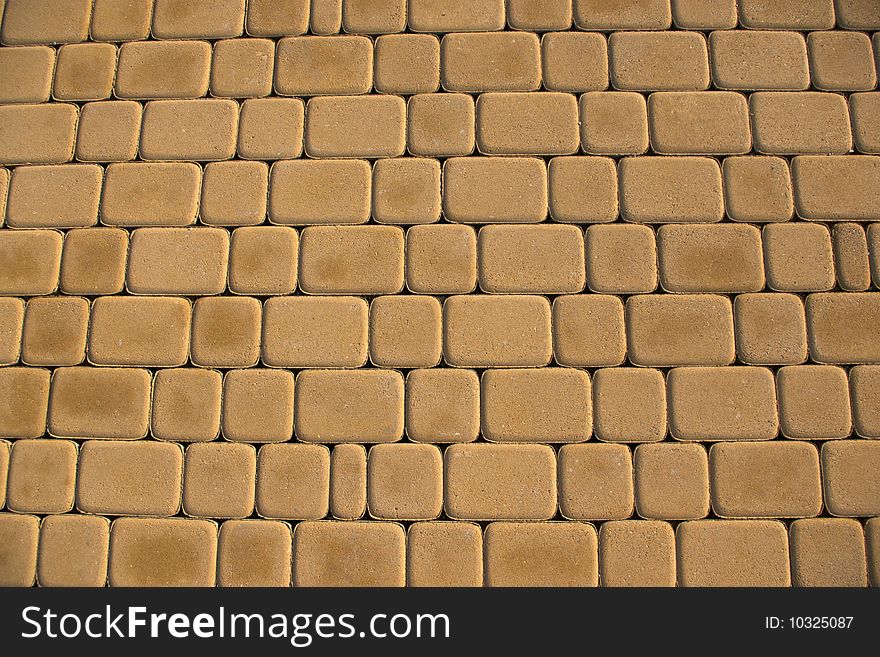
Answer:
x=37 y=134
x=849 y=470
x=583 y=189
x=257 y=406
x=872 y=535
x=444 y=554
x=865 y=113
x=151 y=194
x=722 y=403
x=621 y=259
x=574 y=61
x=271 y=128
x=588 y=330
x=113 y=20
x=351 y=260
x=405 y=331
x=441 y=259
x=440 y=124
x=366 y=126
x=704 y=14
x=629 y=405
x=156 y=69
x=786 y=14
x=732 y=553
x=544 y=123
x=349 y=554
x=348 y=482
x=162 y=552
x=539 y=15
x=293 y=481
x=675 y=330
x=613 y=123
x=138 y=478
x=210 y=19
x=697 y=122
x=762 y=480
x=595 y=482
x=813 y=402
x=837 y=188
x=242 y=68
x=177 y=261
x=62 y=196
x=319 y=331
x=11 y=324
x=325 y=16
x=406 y=190
x=841 y=61
x=671 y=481
x=108 y=131
x=189 y=130
x=54 y=331
x=93 y=261
x=757 y=189
x=373 y=16
x=219 y=480
x=24 y=396
x=254 y=553
x=319 y=191
x=45 y=21
x=856 y=14
x=495 y=189
x=234 y=193
x=873 y=233
x=42 y=475
x=407 y=63
x=145 y=331
x=691 y=190
x=636 y=553
x=4 y=184
x=349 y=406
x=309 y=66
x=186 y=404
x=535 y=405
x=18 y=549
x=806 y=122
x=490 y=61
x=277 y=17
x=442 y=405
x=404 y=482
x=840 y=327
x=455 y=15
x=541 y=554
x=4 y=470
x=263 y=260
x=73 y=551
x=84 y=71
x=496 y=331
x=864 y=382
x=29 y=262
x=499 y=482
x=611 y=15
x=658 y=61
x=828 y=552
x=710 y=258
x=770 y=329
x=26 y=74
x=90 y=402
x=226 y=332
x=759 y=60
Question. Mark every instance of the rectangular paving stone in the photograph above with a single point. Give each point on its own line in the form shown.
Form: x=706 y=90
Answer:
x=595 y=482
x=348 y=482
x=30 y=262
x=786 y=14
x=151 y=194
x=42 y=476
x=444 y=554
x=787 y=123
x=691 y=190
x=349 y=554
x=770 y=329
x=24 y=396
x=407 y=63
x=841 y=61
x=45 y=21
x=494 y=189
x=698 y=122
x=84 y=71
x=827 y=552
x=440 y=124
x=837 y=188
x=37 y=134
x=325 y=17
x=497 y=482
x=219 y=480
x=864 y=110
x=757 y=189
x=89 y=402
x=851 y=260
x=177 y=261
x=613 y=123
x=55 y=330
x=349 y=406
x=747 y=60
x=543 y=123
x=234 y=193
x=442 y=405
x=583 y=189
x=538 y=15
x=186 y=404
x=636 y=553
x=406 y=190
x=621 y=258
x=163 y=69
x=19 y=535
x=4 y=469
x=257 y=405
x=242 y=68
x=319 y=192
x=658 y=61
x=11 y=323
x=405 y=331
x=263 y=260
x=147 y=331
x=162 y=552
x=490 y=61
x=864 y=382
x=455 y=16
x=277 y=17
x=840 y=327
x=73 y=551
x=404 y=482
x=814 y=402
x=254 y=553
x=765 y=480
x=357 y=126
x=629 y=405
x=114 y=21
x=671 y=481
x=293 y=481
x=62 y=196
x=139 y=478
x=93 y=261
x=541 y=554
x=573 y=61
x=732 y=553
x=588 y=330
x=704 y=14
x=603 y=15
x=872 y=538
x=189 y=130
x=722 y=403
x=309 y=66
x=180 y=19
x=270 y=128
x=799 y=257
x=848 y=472
x=26 y=74
x=441 y=259
x=108 y=131
x=381 y=17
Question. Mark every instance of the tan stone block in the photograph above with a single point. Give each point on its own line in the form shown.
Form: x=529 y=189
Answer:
x=26 y=74
x=671 y=481
x=29 y=262
x=805 y=122
x=629 y=405
x=404 y=482
x=595 y=482
x=242 y=68
x=588 y=330
x=542 y=123
x=442 y=405
x=828 y=552
x=62 y=196
x=182 y=19
x=309 y=66
x=117 y=21
x=178 y=261
x=670 y=189
x=613 y=123
x=748 y=60
x=257 y=406
x=406 y=190
x=151 y=194
x=263 y=260
x=621 y=258
x=799 y=257
x=42 y=476
x=94 y=260
x=189 y=130
x=837 y=188
x=495 y=190
x=37 y=134
x=849 y=469
x=490 y=61
x=539 y=15
x=698 y=122
x=73 y=551
x=277 y=18
x=18 y=549
x=658 y=61
x=441 y=259
x=24 y=397
x=186 y=404
x=84 y=71
x=293 y=481
x=440 y=124
x=11 y=325
x=407 y=64
x=271 y=128
x=254 y=553
x=636 y=553
x=45 y=21
x=226 y=332
x=574 y=61
x=770 y=329
x=851 y=260
x=611 y=15
x=813 y=402
x=359 y=126
x=704 y=14
x=108 y=131
x=234 y=193
x=841 y=61
x=786 y=14
x=841 y=327
x=348 y=482
x=326 y=16
x=864 y=382
x=455 y=16
x=319 y=192
x=583 y=189
x=163 y=69
x=55 y=330
x=219 y=480
x=865 y=113
x=757 y=189
x=444 y=554
x=405 y=331
x=872 y=536
x=373 y=16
